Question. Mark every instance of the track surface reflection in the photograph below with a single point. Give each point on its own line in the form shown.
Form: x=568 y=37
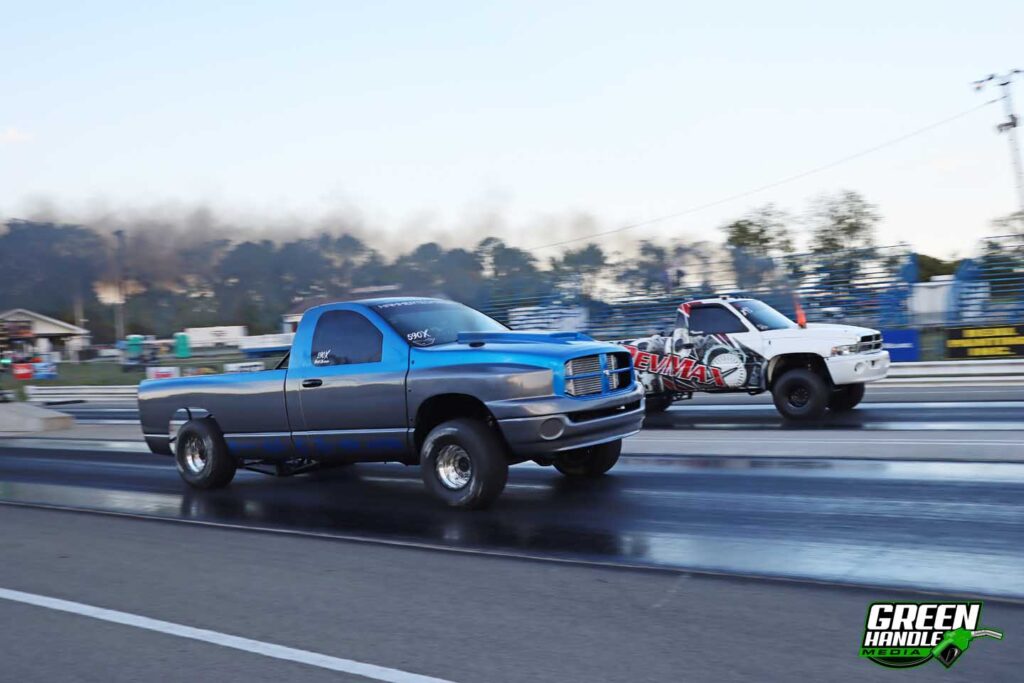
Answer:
x=945 y=526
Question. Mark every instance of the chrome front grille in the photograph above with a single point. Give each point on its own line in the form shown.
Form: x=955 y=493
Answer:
x=869 y=342
x=621 y=367
x=583 y=386
x=598 y=374
x=583 y=366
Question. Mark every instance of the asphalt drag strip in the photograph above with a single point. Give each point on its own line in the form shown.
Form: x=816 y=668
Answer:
x=453 y=617
x=953 y=527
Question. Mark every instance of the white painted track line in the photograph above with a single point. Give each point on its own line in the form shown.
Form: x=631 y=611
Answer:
x=259 y=647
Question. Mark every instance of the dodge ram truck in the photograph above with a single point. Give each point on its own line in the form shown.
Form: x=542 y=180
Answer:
x=419 y=381
x=745 y=345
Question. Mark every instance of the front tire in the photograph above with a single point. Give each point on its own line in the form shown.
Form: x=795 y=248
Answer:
x=202 y=456
x=464 y=463
x=589 y=462
x=801 y=394
x=657 y=404
x=846 y=397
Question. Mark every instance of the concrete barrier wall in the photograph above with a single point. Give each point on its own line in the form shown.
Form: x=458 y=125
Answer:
x=43 y=394
x=955 y=373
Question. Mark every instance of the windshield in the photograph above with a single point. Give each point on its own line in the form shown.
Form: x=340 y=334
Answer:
x=428 y=323
x=762 y=316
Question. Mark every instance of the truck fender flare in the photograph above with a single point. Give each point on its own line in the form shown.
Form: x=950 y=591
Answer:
x=182 y=415
x=812 y=360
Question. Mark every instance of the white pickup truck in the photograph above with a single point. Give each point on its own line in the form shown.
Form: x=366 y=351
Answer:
x=745 y=345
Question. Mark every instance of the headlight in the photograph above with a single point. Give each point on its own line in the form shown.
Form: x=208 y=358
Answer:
x=844 y=350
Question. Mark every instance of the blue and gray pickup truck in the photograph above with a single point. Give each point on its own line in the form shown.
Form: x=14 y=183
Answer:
x=420 y=381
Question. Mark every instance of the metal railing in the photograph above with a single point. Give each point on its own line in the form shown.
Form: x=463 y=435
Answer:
x=865 y=286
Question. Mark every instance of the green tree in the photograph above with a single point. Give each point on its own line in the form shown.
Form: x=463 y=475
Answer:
x=419 y=272
x=47 y=267
x=583 y=266
x=304 y=271
x=462 y=276
x=762 y=232
x=651 y=271
x=249 y=287
x=929 y=266
x=843 y=226
x=842 y=221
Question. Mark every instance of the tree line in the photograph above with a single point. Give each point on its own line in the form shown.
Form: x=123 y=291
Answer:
x=71 y=271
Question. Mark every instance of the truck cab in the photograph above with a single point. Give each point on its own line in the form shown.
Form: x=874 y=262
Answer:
x=730 y=344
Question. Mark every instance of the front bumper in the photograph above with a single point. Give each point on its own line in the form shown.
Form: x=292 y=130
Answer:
x=858 y=367
x=566 y=423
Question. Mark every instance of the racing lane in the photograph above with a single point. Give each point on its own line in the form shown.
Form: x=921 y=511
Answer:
x=892 y=416
x=952 y=527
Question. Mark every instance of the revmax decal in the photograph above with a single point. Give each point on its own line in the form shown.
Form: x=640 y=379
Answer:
x=681 y=363
x=676 y=367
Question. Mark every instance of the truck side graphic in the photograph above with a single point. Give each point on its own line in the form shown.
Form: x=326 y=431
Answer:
x=726 y=344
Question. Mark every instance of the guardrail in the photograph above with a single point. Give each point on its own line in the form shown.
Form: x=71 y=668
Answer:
x=936 y=373
x=959 y=372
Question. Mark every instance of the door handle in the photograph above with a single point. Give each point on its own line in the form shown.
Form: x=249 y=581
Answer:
x=310 y=383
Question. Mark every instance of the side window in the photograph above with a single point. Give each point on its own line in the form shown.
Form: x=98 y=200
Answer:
x=345 y=338
x=714 y=320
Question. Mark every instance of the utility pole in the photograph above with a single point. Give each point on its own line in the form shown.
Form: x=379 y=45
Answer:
x=119 y=306
x=1009 y=127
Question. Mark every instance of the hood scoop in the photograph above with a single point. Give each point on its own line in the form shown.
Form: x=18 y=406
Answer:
x=523 y=337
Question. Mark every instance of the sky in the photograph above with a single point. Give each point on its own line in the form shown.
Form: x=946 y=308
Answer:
x=535 y=121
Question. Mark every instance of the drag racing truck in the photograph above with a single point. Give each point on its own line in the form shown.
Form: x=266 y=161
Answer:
x=419 y=381
x=744 y=345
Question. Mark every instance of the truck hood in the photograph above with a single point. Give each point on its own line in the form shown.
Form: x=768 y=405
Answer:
x=822 y=331
x=544 y=349
x=522 y=337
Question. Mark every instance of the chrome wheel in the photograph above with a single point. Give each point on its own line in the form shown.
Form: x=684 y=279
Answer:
x=453 y=467
x=195 y=455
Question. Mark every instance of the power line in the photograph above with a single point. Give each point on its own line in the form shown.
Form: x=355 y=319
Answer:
x=768 y=186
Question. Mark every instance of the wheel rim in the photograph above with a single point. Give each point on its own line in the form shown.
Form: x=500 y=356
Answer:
x=799 y=396
x=453 y=467
x=195 y=454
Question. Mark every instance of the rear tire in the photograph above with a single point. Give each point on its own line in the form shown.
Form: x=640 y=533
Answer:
x=202 y=455
x=801 y=394
x=592 y=461
x=464 y=463
x=657 y=404
x=846 y=397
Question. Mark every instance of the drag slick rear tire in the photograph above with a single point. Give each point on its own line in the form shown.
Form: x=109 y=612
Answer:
x=464 y=463
x=202 y=456
x=846 y=397
x=592 y=461
x=801 y=394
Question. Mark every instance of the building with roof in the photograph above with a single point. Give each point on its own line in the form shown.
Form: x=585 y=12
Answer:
x=47 y=334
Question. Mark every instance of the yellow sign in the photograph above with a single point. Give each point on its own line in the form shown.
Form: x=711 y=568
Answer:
x=1006 y=341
